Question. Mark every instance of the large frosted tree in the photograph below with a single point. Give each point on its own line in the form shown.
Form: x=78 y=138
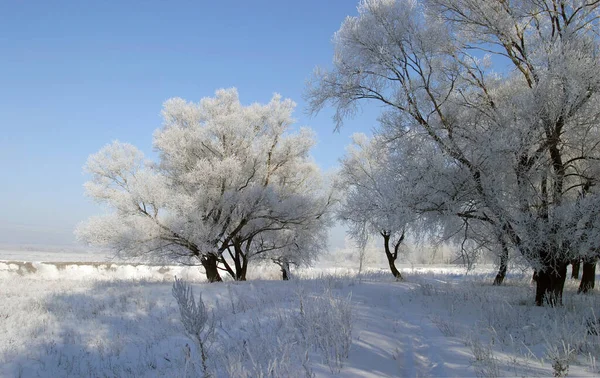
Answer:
x=232 y=183
x=508 y=92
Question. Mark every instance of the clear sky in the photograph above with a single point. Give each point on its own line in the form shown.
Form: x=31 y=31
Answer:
x=76 y=75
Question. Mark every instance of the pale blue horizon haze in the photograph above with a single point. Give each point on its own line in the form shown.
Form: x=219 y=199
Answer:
x=78 y=75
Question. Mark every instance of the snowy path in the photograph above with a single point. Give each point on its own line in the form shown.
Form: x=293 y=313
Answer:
x=396 y=338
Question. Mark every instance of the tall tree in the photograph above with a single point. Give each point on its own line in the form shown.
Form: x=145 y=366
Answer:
x=522 y=138
x=229 y=178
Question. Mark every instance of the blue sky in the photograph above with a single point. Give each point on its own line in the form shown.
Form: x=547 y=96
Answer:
x=76 y=75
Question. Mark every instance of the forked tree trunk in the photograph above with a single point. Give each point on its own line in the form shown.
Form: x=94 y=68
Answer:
x=588 y=278
x=391 y=257
x=209 y=262
x=240 y=262
x=550 y=284
x=503 y=265
x=240 y=275
x=575 y=264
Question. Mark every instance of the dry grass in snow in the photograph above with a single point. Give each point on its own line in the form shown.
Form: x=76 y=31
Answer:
x=88 y=321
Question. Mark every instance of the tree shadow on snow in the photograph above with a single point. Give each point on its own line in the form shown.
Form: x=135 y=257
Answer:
x=113 y=328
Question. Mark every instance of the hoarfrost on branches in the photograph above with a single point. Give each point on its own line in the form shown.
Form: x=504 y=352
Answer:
x=233 y=183
x=506 y=97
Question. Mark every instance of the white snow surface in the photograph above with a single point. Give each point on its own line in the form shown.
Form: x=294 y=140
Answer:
x=53 y=254
x=106 y=319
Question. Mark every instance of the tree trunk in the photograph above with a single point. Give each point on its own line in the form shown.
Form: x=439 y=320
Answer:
x=394 y=270
x=241 y=274
x=285 y=270
x=550 y=284
x=588 y=278
x=209 y=262
x=241 y=268
x=503 y=266
x=575 y=264
x=240 y=261
x=390 y=257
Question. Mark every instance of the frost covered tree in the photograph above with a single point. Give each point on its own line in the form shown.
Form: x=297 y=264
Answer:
x=508 y=94
x=232 y=183
x=393 y=185
x=373 y=204
x=300 y=249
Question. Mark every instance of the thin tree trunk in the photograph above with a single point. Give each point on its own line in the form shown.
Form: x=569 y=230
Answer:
x=285 y=270
x=241 y=275
x=390 y=257
x=503 y=265
x=237 y=261
x=550 y=284
x=241 y=264
x=588 y=278
x=209 y=262
x=575 y=264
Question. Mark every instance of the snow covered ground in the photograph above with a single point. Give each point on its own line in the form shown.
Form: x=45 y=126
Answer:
x=52 y=253
x=106 y=319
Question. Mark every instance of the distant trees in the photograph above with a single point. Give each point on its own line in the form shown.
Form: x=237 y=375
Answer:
x=232 y=184
x=514 y=149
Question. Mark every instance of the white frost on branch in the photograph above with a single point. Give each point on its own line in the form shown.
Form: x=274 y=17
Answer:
x=232 y=181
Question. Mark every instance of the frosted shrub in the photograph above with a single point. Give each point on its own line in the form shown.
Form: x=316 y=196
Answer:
x=561 y=355
x=264 y=354
x=447 y=327
x=281 y=341
x=428 y=290
x=325 y=321
x=485 y=364
x=196 y=320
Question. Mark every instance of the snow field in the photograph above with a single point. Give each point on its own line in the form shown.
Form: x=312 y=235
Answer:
x=505 y=334
x=100 y=271
x=132 y=328
x=325 y=323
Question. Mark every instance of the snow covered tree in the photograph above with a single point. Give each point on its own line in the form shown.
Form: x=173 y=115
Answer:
x=300 y=249
x=508 y=93
x=231 y=180
x=372 y=203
